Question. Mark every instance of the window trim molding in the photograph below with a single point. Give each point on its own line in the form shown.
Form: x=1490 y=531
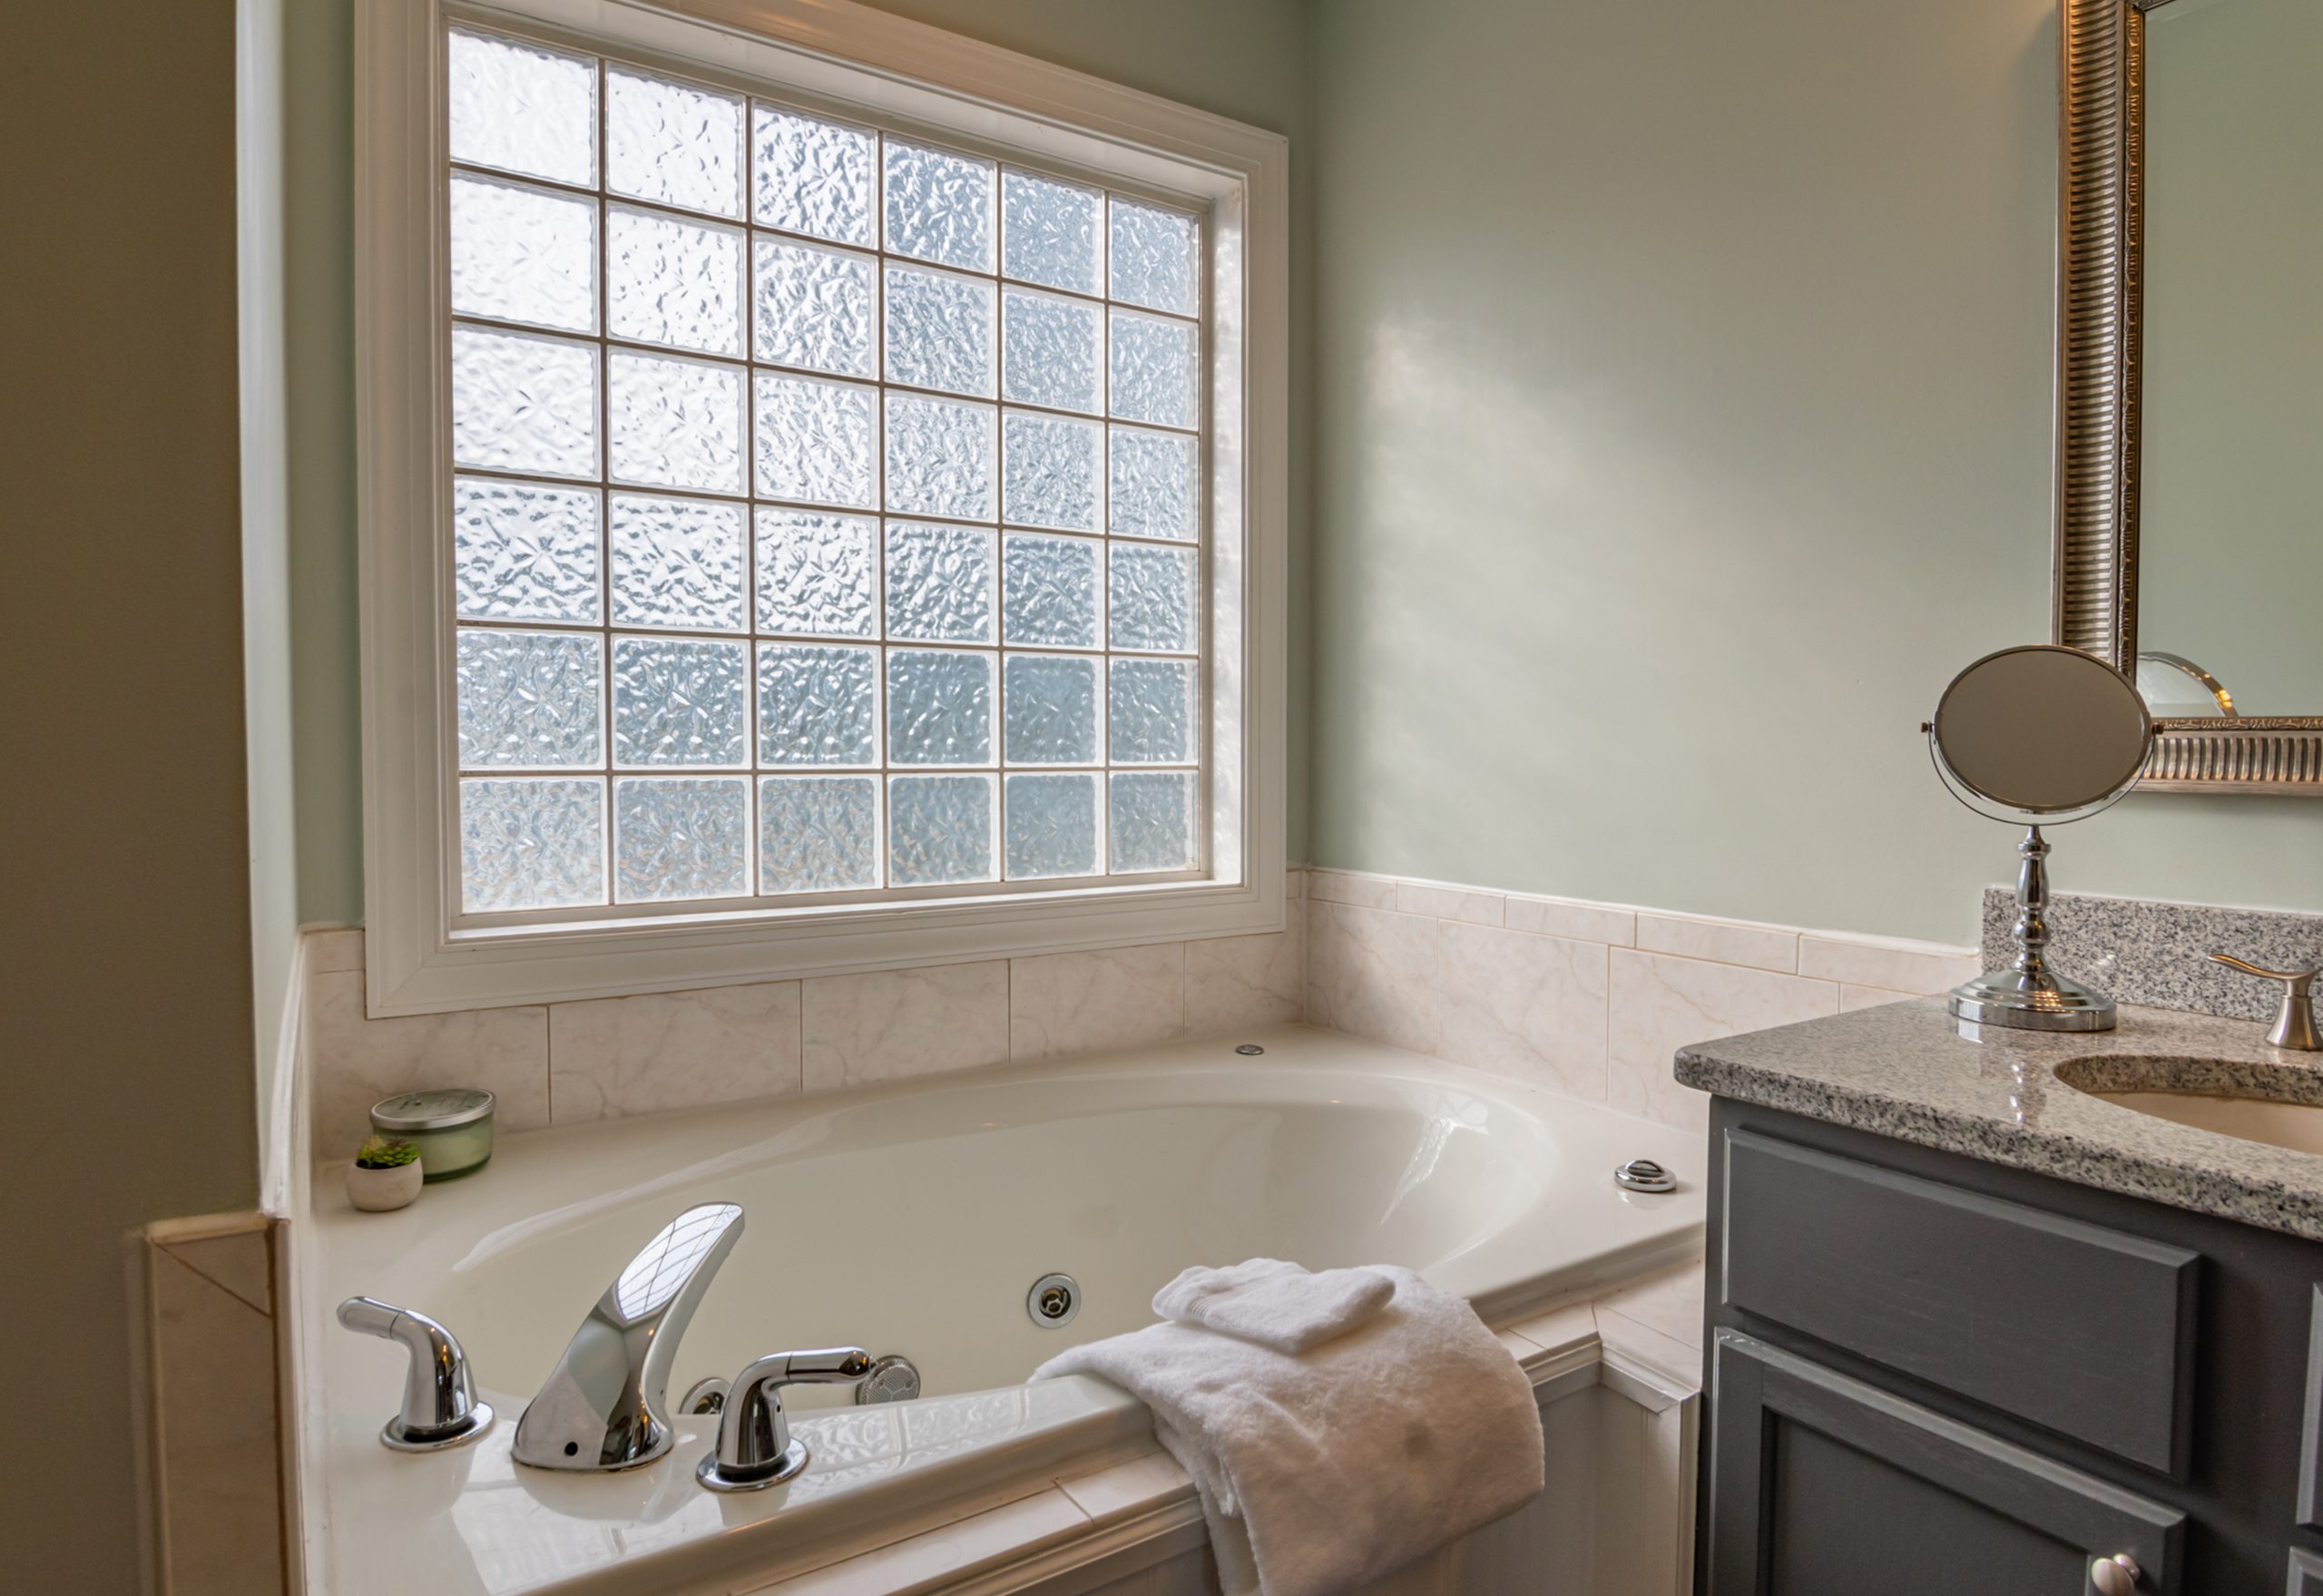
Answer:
x=884 y=66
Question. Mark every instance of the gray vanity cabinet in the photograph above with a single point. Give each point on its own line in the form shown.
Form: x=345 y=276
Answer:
x=1929 y=1374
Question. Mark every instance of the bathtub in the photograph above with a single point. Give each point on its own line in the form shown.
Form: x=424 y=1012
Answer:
x=913 y=1220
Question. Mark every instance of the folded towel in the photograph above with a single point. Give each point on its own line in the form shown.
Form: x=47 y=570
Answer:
x=1276 y=1303
x=1321 y=1472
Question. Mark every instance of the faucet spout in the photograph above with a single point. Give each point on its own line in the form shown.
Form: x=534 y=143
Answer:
x=606 y=1406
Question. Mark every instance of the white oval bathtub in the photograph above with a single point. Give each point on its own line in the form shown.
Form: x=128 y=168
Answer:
x=913 y=1220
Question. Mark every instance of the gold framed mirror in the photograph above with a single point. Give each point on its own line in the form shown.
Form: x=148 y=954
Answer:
x=2202 y=621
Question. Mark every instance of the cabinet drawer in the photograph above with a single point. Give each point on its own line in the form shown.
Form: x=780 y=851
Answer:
x=2080 y=1329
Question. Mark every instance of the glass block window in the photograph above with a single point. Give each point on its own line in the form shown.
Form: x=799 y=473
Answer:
x=826 y=513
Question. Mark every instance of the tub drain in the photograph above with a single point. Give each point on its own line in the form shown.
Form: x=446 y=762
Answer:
x=1054 y=1300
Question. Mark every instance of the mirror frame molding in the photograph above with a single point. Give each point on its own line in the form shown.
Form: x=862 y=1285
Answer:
x=2100 y=260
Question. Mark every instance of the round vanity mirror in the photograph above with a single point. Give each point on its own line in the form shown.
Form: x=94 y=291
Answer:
x=2037 y=736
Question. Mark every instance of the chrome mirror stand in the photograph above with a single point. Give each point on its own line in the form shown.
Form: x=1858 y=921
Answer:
x=2028 y=996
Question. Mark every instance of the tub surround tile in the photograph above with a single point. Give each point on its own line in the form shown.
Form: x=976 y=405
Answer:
x=610 y=1057
x=1246 y=983
x=1571 y=919
x=1870 y=997
x=1065 y=1004
x=1916 y=968
x=2157 y=953
x=1342 y=887
x=1529 y=1007
x=895 y=1024
x=1138 y=1486
x=239 y=1259
x=1724 y=942
x=1449 y=902
x=1372 y=973
x=1560 y=1330
x=1669 y=1303
x=334 y=948
x=357 y=1060
x=1294 y=882
x=1659 y=1004
x=971 y=1545
x=1665 y=1355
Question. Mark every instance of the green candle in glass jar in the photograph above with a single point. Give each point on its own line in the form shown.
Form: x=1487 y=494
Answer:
x=452 y=1128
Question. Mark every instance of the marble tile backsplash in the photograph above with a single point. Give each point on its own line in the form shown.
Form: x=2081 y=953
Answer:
x=603 y=1058
x=1588 y=1000
x=2157 y=953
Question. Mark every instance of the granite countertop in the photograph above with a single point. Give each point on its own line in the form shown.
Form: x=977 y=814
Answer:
x=1906 y=1070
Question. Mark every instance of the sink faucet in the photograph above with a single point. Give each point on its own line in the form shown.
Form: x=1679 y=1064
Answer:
x=606 y=1406
x=2295 y=1023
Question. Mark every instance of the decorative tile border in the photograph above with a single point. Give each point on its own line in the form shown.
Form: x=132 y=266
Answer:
x=1587 y=999
x=605 y=1058
x=2157 y=953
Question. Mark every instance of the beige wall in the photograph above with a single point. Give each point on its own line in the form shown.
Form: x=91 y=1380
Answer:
x=1683 y=422
x=125 y=1033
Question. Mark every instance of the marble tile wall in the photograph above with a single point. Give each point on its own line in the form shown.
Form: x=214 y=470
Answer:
x=561 y=1063
x=1589 y=1000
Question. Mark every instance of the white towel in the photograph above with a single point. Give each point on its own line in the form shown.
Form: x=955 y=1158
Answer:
x=1317 y=1473
x=1276 y=1303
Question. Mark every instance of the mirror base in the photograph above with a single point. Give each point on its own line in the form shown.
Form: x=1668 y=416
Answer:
x=2046 y=1001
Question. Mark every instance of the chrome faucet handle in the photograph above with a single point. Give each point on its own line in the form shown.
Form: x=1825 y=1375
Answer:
x=439 y=1405
x=755 y=1448
x=606 y=1405
x=2295 y=1023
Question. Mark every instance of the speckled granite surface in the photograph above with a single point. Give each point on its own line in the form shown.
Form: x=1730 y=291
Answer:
x=1906 y=1070
x=2159 y=953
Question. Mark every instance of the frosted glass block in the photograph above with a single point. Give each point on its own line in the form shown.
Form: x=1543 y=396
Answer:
x=530 y=698
x=1152 y=598
x=818 y=705
x=940 y=583
x=522 y=108
x=939 y=206
x=939 y=829
x=1050 y=351
x=673 y=281
x=675 y=423
x=1155 y=256
x=531 y=844
x=524 y=552
x=1150 y=712
x=816 y=442
x=1050 y=705
x=678 y=562
x=939 y=331
x=523 y=254
x=813 y=177
x=681 y=838
x=818 y=833
x=676 y=702
x=1152 y=821
x=523 y=404
x=1153 y=493
x=1052 y=826
x=815 y=308
x=939 y=708
x=673 y=142
x=1151 y=369
x=939 y=457
x=1048 y=592
x=1050 y=470
x=817 y=573
x=1048 y=232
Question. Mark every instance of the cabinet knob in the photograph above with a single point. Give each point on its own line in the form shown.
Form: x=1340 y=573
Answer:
x=2114 y=1576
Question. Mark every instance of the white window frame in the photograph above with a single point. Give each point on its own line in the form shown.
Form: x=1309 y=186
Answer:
x=422 y=958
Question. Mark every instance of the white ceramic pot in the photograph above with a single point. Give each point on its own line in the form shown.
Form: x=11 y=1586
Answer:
x=375 y=1191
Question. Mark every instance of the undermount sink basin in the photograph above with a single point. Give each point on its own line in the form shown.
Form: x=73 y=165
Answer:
x=2278 y=1104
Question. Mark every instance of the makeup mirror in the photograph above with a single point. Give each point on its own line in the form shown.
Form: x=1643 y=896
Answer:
x=2037 y=736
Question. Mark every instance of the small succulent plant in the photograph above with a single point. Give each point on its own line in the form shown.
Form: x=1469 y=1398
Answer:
x=380 y=1152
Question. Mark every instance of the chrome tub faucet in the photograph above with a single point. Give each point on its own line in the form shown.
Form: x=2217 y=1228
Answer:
x=606 y=1405
x=439 y=1405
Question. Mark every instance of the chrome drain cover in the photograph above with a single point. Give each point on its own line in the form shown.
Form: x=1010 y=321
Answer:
x=1054 y=1300
x=894 y=1378
x=1643 y=1174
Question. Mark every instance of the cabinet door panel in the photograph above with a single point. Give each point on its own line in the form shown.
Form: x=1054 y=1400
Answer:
x=1821 y=1485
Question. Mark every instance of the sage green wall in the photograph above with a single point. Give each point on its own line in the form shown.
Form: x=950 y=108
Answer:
x=1683 y=387
x=125 y=1008
x=1245 y=59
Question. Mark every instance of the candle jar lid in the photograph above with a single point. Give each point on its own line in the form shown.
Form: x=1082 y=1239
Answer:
x=442 y=1110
